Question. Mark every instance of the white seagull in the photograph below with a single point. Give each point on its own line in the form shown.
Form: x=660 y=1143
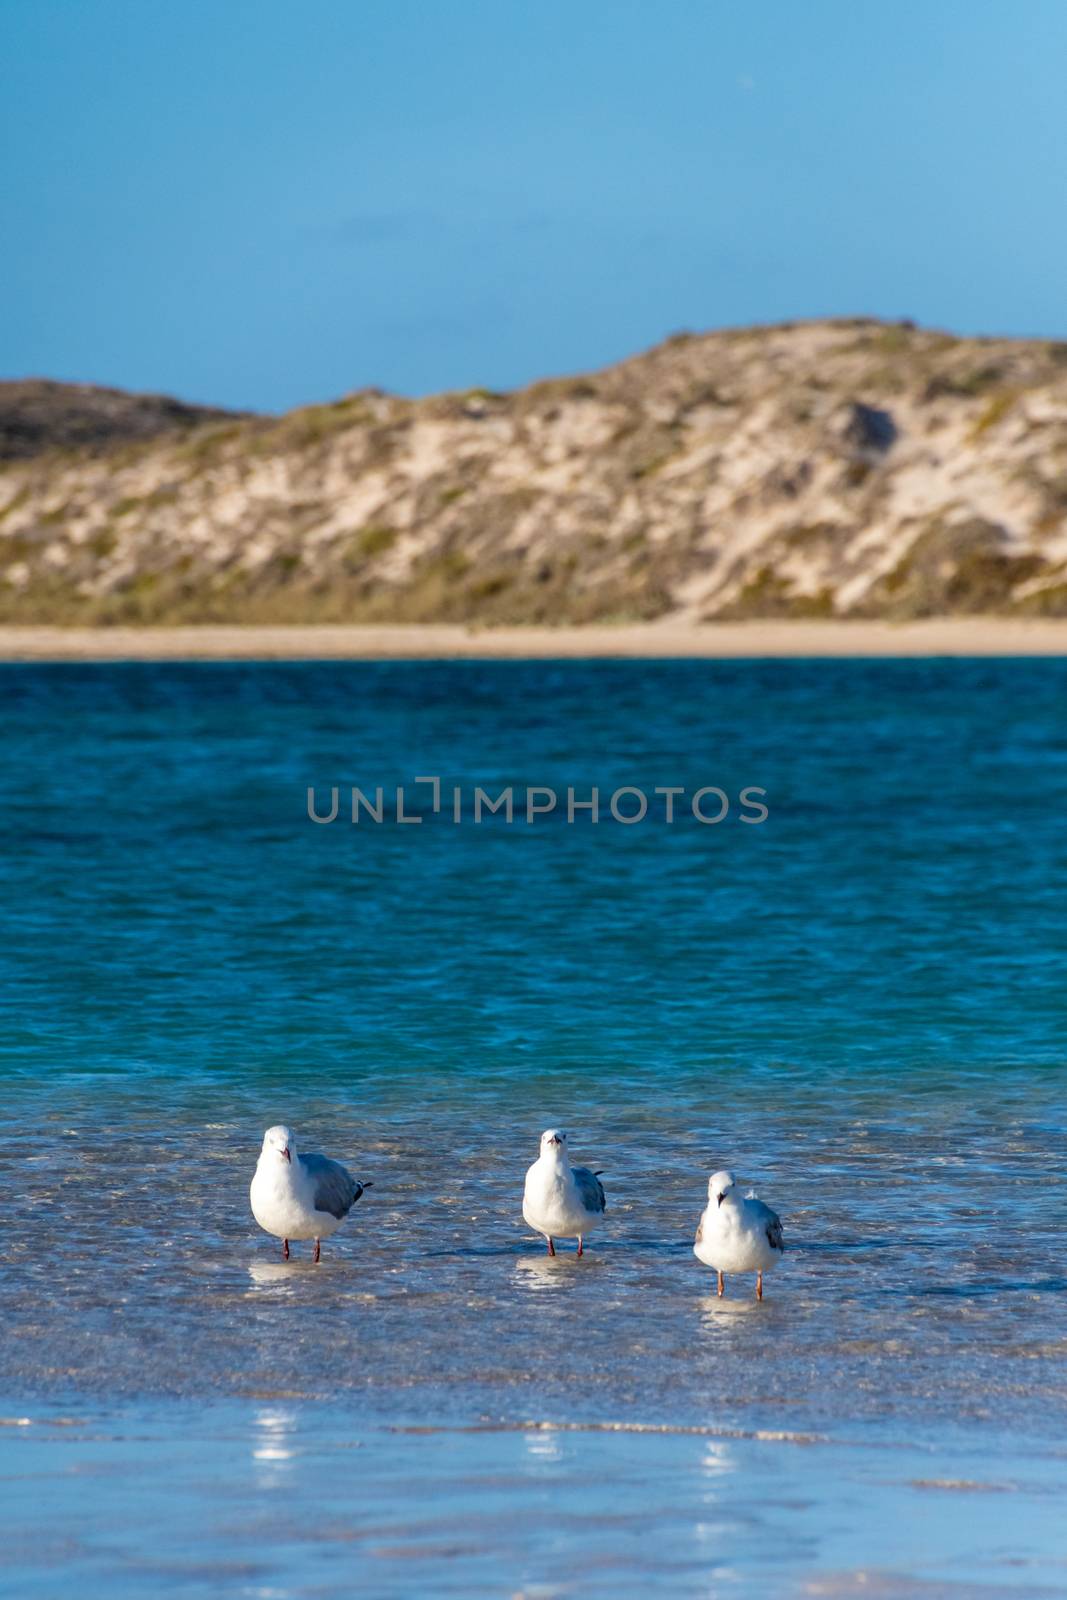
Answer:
x=561 y=1201
x=300 y=1197
x=737 y=1233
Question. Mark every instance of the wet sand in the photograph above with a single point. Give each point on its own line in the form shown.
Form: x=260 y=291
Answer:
x=945 y=636
x=267 y=1498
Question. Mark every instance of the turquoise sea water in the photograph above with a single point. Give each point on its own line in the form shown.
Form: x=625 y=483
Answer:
x=859 y=1005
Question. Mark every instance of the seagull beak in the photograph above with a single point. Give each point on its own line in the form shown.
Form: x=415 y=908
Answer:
x=287 y=1156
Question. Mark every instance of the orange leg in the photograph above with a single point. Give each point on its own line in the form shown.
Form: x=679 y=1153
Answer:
x=285 y=1249
x=580 y=1249
x=721 y=1284
x=551 y=1246
x=759 y=1285
x=318 y=1250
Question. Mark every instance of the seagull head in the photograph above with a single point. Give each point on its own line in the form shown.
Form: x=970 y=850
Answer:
x=279 y=1142
x=719 y=1186
x=553 y=1142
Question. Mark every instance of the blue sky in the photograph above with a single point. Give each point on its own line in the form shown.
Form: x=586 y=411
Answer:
x=262 y=203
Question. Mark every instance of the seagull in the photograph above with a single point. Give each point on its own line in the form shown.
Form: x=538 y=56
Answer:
x=737 y=1234
x=300 y=1197
x=561 y=1201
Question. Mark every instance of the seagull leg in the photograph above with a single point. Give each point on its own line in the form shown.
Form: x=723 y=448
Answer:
x=759 y=1285
x=581 y=1250
x=551 y=1246
x=285 y=1249
x=318 y=1250
x=721 y=1285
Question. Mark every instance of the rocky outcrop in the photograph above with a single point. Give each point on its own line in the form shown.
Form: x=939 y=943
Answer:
x=849 y=468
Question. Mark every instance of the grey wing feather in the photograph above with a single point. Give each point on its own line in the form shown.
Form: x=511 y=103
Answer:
x=771 y=1221
x=591 y=1189
x=336 y=1191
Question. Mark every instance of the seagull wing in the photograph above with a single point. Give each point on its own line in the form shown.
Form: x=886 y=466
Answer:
x=769 y=1220
x=590 y=1190
x=336 y=1191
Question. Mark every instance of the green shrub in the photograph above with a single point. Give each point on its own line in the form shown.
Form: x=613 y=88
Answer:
x=375 y=539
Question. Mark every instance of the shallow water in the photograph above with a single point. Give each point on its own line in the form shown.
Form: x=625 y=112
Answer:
x=859 y=1005
x=133 y=1265
x=280 y=1499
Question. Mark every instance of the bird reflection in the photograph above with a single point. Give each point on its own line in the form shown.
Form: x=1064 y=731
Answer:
x=718 y=1316
x=279 y=1274
x=272 y=1445
x=717 y=1459
x=543 y=1445
x=545 y=1272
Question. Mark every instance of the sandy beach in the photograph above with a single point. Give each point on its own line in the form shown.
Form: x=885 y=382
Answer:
x=942 y=636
